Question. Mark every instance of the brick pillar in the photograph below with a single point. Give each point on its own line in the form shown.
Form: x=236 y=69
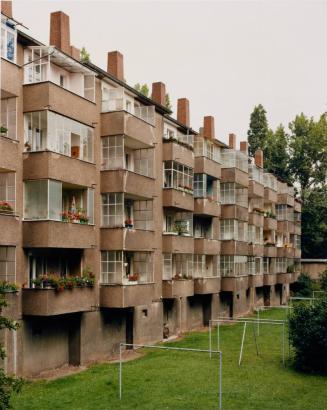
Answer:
x=209 y=127
x=6 y=8
x=183 y=111
x=244 y=147
x=115 y=64
x=60 y=31
x=232 y=141
x=258 y=158
x=75 y=53
x=158 y=92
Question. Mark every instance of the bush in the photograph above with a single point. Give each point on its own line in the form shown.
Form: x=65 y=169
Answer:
x=323 y=280
x=308 y=335
x=304 y=285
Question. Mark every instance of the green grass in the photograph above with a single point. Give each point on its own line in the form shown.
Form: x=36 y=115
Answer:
x=178 y=380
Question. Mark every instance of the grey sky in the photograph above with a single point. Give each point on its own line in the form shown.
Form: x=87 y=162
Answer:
x=224 y=56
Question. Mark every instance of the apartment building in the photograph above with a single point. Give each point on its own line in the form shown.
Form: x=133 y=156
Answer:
x=156 y=227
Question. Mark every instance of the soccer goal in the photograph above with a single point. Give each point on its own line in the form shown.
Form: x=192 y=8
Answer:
x=170 y=348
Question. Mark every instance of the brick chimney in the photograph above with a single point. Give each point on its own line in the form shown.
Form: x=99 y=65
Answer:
x=209 y=127
x=258 y=158
x=75 y=53
x=158 y=92
x=60 y=31
x=232 y=141
x=115 y=65
x=6 y=8
x=183 y=111
x=244 y=147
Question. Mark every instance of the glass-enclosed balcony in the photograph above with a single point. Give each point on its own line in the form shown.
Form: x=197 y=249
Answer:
x=8 y=118
x=117 y=99
x=57 y=201
x=206 y=266
x=270 y=181
x=255 y=235
x=177 y=266
x=48 y=131
x=7 y=192
x=119 y=210
x=178 y=176
x=231 y=266
x=269 y=265
x=49 y=64
x=233 y=194
x=172 y=135
x=122 y=152
x=204 y=147
x=178 y=223
x=126 y=268
x=255 y=265
x=284 y=213
x=233 y=230
x=206 y=187
x=8 y=263
x=256 y=174
x=234 y=159
x=8 y=39
x=281 y=265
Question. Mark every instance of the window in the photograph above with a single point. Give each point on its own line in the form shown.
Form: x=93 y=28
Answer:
x=255 y=265
x=203 y=147
x=178 y=222
x=234 y=159
x=233 y=265
x=7 y=192
x=202 y=227
x=281 y=265
x=8 y=118
x=62 y=80
x=206 y=266
x=228 y=229
x=256 y=174
x=270 y=181
x=178 y=176
x=45 y=130
x=8 y=40
x=7 y=263
x=269 y=265
x=283 y=213
x=227 y=191
x=177 y=266
x=167 y=266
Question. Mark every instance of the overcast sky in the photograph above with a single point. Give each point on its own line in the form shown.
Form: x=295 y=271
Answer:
x=225 y=57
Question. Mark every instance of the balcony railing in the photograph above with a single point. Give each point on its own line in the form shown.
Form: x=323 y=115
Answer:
x=256 y=174
x=232 y=195
x=206 y=266
x=177 y=266
x=203 y=147
x=270 y=181
x=233 y=266
x=179 y=138
x=234 y=159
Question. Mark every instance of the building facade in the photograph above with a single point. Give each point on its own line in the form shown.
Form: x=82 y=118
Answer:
x=119 y=222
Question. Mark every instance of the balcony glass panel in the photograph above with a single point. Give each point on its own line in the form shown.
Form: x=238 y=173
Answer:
x=178 y=223
x=49 y=64
x=234 y=159
x=178 y=176
x=45 y=130
x=204 y=147
x=256 y=174
x=206 y=187
x=8 y=39
x=172 y=135
x=7 y=192
x=8 y=263
x=126 y=268
x=233 y=265
x=232 y=229
x=281 y=265
x=8 y=118
x=255 y=265
x=284 y=213
x=270 y=181
x=177 y=266
x=269 y=265
x=206 y=266
x=231 y=194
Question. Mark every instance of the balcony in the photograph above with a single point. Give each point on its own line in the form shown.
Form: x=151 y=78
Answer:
x=270 y=224
x=284 y=278
x=270 y=251
x=256 y=219
x=234 y=212
x=297 y=253
x=285 y=226
x=9 y=150
x=269 y=279
x=124 y=123
x=205 y=206
x=204 y=246
x=40 y=95
x=297 y=206
x=172 y=243
x=204 y=165
x=255 y=250
x=177 y=199
x=234 y=283
x=49 y=302
x=10 y=78
x=235 y=175
x=256 y=281
x=233 y=247
x=285 y=199
x=55 y=234
x=285 y=252
x=256 y=190
x=172 y=151
x=176 y=288
x=297 y=228
x=204 y=286
x=121 y=180
x=270 y=196
x=51 y=165
x=125 y=238
x=123 y=296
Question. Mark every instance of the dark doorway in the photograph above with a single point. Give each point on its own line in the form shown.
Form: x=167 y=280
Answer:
x=74 y=340
x=129 y=326
x=206 y=307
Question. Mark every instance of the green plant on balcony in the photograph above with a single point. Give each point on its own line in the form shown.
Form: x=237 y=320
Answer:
x=60 y=283
x=180 y=229
x=178 y=276
x=8 y=287
x=78 y=216
x=3 y=129
x=5 y=207
x=290 y=269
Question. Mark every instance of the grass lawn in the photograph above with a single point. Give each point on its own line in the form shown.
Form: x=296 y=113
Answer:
x=178 y=380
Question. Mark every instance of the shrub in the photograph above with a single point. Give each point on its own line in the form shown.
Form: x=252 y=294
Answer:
x=308 y=335
x=323 y=280
x=303 y=286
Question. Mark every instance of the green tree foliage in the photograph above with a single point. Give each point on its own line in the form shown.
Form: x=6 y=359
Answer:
x=304 y=286
x=85 y=56
x=142 y=88
x=308 y=335
x=258 y=129
x=323 y=280
x=8 y=384
x=168 y=102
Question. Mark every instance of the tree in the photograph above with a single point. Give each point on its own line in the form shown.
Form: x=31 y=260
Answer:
x=276 y=156
x=308 y=335
x=323 y=280
x=304 y=286
x=85 y=56
x=8 y=384
x=143 y=89
x=167 y=102
x=258 y=129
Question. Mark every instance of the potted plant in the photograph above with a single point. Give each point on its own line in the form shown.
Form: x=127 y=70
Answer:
x=83 y=219
x=8 y=287
x=129 y=223
x=5 y=207
x=65 y=217
x=3 y=130
x=133 y=277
